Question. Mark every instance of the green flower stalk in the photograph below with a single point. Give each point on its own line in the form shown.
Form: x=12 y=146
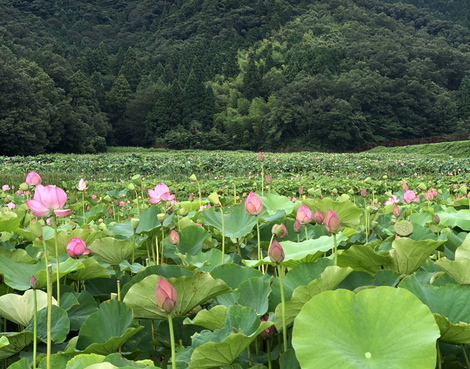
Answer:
x=33 y=282
x=49 y=317
x=276 y=255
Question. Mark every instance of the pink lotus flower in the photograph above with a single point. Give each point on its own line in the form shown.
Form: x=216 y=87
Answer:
x=253 y=204
x=392 y=200
x=332 y=223
x=47 y=199
x=404 y=186
x=318 y=217
x=77 y=247
x=11 y=205
x=174 y=238
x=82 y=185
x=160 y=193
x=5 y=188
x=276 y=252
x=33 y=179
x=165 y=296
x=304 y=215
x=409 y=196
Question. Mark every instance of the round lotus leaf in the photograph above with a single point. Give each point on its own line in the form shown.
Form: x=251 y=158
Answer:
x=376 y=328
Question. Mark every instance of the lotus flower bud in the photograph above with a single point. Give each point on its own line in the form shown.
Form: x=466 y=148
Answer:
x=253 y=204
x=396 y=210
x=82 y=185
x=33 y=282
x=279 y=230
x=77 y=247
x=165 y=296
x=437 y=219
x=33 y=179
x=174 y=238
x=297 y=226
x=363 y=192
x=332 y=223
x=268 y=332
x=300 y=190
x=260 y=156
x=161 y=217
x=304 y=215
x=276 y=252
x=318 y=217
x=193 y=178
x=191 y=197
x=404 y=186
x=268 y=178
x=214 y=199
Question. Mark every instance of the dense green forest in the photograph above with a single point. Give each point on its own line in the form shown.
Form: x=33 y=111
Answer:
x=78 y=76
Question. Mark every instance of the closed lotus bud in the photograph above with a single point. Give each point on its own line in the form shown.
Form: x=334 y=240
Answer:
x=253 y=204
x=332 y=222
x=363 y=192
x=396 y=210
x=276 y=252
x=301 y=190
x=214 y=199
x=82 y=185
x=33 y=282
x=161 y=217
x=135 y=223
x=437 y=219
x=174 y=238
x=165 y=296
x=193 y=178
x=191 y=197
x=304 y=215
x=279 y=230
x=77 y=247
x=260 y=156
x=268 y=178
x=297 y=226
x=33 y=179
x=268 y=332
x=318 y=217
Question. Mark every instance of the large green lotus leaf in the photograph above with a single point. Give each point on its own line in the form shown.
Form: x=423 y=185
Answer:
x=223 y=346
x=60 y=325
x=363 y=258
x=449 y=303
x=18 y=275
x=10 y=225
x=463 y=251
x=330 y=278
x=20 y=308
x=254 y=293
x=204 y=261
x=103 y=366
x=91 y=270
x=57 y=361
x=106 y=330
x=191 y=292
x=211 y=319
x=459 y=219
x=300 y=275
x=458 y=270
x=167 y=271
x=65 y=267
x=149 y=221
x=408 y=255
x=83 y=361
x=68 y=300
x=78 y=314
x=18 y=256
x=236 y=224
x=383 y=327
x=274 y=202
x=288 y=360
x=121 y=362
x=348 y=212
x=191 y=239
x=112 y=250
x=21 y=364
x=233 y=274
x=305 y=251
x=18 y=341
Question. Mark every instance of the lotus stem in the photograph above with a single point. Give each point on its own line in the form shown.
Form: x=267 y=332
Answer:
x=172 y=341
x=465 y=355
x=35 y=327
x=306 y=232
x=118 y=286
x=234 y=194
x=283 y=306
x=163 y=244
x=83 y=207
x=367 y=216
x=223 y=235
x=262 y=179
x=270 y=365
x=56 y=242
x=260 y=255
x=439 y=361
x=335 y=247
x=157 y=257
x=49 y=317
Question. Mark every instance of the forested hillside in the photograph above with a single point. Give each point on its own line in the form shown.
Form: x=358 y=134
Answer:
x=76 y=76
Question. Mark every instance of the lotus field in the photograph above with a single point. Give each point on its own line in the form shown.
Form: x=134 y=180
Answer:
x=267 y=270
